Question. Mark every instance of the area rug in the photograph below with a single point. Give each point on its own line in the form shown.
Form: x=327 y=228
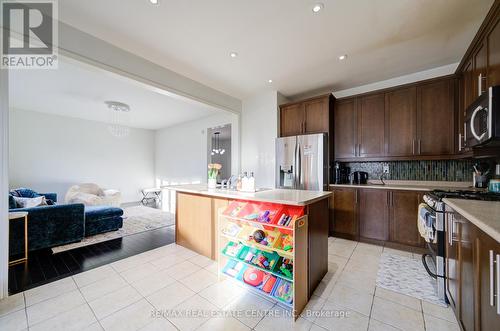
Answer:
x=407 y=276
x=136 y=219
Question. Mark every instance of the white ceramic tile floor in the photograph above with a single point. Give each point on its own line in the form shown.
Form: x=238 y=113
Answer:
x=142 y=291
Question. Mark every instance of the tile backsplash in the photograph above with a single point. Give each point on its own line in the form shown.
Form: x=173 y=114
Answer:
x=438 y=170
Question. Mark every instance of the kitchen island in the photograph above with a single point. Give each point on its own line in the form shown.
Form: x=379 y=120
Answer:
x=296 y=216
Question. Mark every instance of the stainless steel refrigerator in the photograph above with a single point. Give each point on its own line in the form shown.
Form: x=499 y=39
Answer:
x=302 y=162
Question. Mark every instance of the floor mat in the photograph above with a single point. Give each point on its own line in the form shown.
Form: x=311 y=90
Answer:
x=136 y=219
x=407 y=276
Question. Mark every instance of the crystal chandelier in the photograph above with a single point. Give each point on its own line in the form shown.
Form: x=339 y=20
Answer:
x=119 y=118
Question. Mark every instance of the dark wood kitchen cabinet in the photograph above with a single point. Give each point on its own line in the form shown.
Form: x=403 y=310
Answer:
x=401 y=121
x=371 y=126
x=292 y=120
x=374 y=214
x=471 y=274
x=486 y=251
x=345 y=129
x=459 y=268
x=436 y=118
x=410 y=122
x=403 y=213
x=306 y=116
x=345 y=209
x=480 y=64
x=493 y=56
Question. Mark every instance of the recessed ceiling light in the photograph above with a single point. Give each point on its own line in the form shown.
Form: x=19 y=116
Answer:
x=233 y=54
x=270 y=81
x=317 y=7
x=155 y=2
x=343 y=57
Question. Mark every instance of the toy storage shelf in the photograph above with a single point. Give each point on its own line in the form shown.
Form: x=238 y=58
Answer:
x=265 y=280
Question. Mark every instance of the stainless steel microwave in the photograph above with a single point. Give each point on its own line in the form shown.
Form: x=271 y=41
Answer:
x=482 y=120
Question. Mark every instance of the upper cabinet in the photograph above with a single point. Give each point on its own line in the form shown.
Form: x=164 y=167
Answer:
x=403 y=123
x=345 y=129
x=435 y=118
x=479 y=69
x=306 y=117
x=371 y=126
x=401 y=117
x=292 y=120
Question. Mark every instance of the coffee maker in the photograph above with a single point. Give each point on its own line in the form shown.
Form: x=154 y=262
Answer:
x=341 y=175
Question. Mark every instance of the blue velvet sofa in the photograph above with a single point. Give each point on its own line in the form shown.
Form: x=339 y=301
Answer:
x=55 y=225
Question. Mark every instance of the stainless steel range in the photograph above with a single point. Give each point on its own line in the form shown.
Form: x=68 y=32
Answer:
x=433 y=216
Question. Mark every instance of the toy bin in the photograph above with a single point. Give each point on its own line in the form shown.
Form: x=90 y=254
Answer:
x=233 y=249
x=248 y=211
x=283 y=261
x=270 y=212
x=294 y=212
x=283 y=291
x=234 y=269
x=234 y=208
x=269 y=240
x=284 y=243
x=259 y=258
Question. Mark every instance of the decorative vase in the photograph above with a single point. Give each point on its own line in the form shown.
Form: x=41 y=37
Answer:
x=212 y=182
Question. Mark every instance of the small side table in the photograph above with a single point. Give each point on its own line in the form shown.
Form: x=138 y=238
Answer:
x=151 y=194
x=15 y=216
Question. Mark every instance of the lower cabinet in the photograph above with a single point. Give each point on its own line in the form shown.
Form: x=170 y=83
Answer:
x=472 y=275
x=403 y=217
x=487 y=257
x=345 y=209
x=376 y=214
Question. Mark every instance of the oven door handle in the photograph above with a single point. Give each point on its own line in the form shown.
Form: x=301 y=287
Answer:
x=471 y=124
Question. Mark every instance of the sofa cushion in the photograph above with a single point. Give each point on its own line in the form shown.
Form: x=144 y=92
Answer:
x=94 y=213
x=30 y=202
x=12 y=202
x=24 y=193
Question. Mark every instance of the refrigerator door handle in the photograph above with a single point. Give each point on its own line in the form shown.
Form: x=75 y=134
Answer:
x=299 y=169
x=295 y=165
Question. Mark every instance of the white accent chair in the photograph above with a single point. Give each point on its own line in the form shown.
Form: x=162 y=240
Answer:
x=91 y=194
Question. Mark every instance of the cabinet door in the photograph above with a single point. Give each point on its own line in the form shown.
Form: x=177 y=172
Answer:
x=468 y=86
x=435 y=113
x=292 y=120
x=452 y=264
x=371 y=126
x=403 y=211
x=345 y=129
x=316 y=116
x=401 y=122
x=480 y=74
x=345 y=201
x=493 y=40
x=373 y=214
x=466 y=259
x=487 y=250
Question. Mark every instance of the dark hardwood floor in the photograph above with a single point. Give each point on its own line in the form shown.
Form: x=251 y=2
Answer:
x=44 y=267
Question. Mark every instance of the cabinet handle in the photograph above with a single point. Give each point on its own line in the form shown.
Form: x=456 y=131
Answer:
x=498 y=283
x=413 y=146
x=419 y=145
x=450 y=229
x=356 y=196
x=459 y=142
x=479 y=84
x=305 y=127
x=492 y=282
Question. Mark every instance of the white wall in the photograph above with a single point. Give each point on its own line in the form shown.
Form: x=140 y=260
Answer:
x=4 y=180
x=181 y=150
x=49 y=153
x=259 y=130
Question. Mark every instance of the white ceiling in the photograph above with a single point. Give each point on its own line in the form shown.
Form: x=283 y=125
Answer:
x=79 y=90
x=283 y=40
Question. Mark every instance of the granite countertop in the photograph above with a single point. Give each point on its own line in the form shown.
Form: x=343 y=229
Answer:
x=411 y=185
x=483 y=214
x=286 y=197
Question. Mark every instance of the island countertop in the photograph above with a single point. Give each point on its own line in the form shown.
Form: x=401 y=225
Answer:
x=483 y=214
x=281 y=196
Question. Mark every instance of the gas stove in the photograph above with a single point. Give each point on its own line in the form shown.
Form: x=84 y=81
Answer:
x=439 y=195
